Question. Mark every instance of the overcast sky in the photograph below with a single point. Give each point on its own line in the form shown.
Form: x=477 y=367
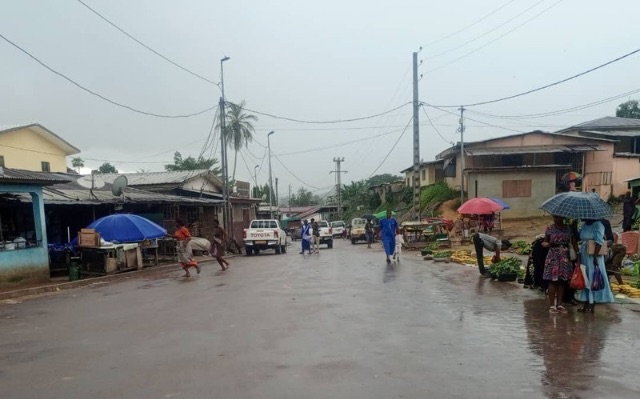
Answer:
x=323 y=60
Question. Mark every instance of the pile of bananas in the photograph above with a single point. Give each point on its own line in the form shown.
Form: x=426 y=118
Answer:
x=626 y=289
x=466 y=257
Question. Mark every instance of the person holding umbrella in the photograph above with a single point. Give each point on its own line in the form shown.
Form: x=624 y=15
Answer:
x=589 y=208
x=388 y=228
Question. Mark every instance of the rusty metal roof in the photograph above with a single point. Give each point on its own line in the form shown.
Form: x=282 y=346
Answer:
x=531 y=149
x=19 y=176
x=159 y=178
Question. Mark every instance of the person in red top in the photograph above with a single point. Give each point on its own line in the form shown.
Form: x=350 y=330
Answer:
x=185 y=254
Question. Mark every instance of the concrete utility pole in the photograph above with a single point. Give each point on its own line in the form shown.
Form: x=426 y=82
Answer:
x=416 y=138
x=339 y=173
x=226 y=218
x=289 y=200
x=270 y=176
x=277 y=197
x=462 y=165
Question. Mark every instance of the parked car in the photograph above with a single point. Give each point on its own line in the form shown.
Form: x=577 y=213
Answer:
x=338 y=228
x=264 y=234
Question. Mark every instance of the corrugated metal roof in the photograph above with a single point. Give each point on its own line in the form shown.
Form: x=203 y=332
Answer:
x=19 y=176
x=614 y=133
x=423 y=164
x=45 y=133
x=531 y=149
x=158 y=178
x=608 y=122
x=517 y=168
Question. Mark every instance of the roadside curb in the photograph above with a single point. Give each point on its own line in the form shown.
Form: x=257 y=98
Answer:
x=102 y=279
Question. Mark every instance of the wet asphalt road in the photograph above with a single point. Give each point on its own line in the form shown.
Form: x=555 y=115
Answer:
x=341 y=324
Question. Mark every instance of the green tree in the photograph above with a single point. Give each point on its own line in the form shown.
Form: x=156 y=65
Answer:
x=303 y=197
x=382 y=179
x=77 y=163
x=190 y=163
x=239 y=129
x=629 y=109
x=106 y=168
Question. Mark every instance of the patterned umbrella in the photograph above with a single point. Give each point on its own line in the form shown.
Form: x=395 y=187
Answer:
x=571 y=176
x=577 y=205
x=480 y=206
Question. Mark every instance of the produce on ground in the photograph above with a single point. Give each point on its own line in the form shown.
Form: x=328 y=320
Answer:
x=626 y=289
x=506 y=266
x=521 y=247
x=442 y=254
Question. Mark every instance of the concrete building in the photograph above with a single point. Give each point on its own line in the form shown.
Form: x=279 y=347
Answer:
x=609 y=170
x=430 y=172
x=35 y=148
x=24 y=255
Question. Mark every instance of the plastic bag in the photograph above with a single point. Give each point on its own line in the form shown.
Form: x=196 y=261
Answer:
x=577 y=279
x=598 y=280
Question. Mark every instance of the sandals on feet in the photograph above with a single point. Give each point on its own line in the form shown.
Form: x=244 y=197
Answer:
x=553 y=309
x=561 y=309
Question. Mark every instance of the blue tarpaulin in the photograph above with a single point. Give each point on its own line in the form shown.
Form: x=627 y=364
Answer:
x=501 y=203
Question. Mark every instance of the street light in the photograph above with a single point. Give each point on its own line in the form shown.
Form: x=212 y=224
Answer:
x=223 y=151
x=270 y=175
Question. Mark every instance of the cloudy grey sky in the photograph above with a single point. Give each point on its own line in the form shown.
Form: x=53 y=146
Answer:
x=326 y=60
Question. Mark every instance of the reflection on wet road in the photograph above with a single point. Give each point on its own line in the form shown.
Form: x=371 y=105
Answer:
x=342 y=324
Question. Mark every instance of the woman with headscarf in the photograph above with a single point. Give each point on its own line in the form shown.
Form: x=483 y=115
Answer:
x=185 y=254
x=593 y=230
x=388 y=229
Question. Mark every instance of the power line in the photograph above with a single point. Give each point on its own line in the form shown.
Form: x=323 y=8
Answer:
x=434 y=127
x=292 y=174
x=476 y=120
x=496 y=39
x=542 y=87
x=471 y=25
x=147 y=47
x=560 y=111
x=330 y=121
x=392 y=148
x=100 y=95
x=485 y=33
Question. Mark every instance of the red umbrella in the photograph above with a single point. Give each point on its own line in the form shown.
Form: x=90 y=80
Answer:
x=480 y=206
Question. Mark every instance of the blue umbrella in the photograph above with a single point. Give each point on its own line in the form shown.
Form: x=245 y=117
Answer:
x=500 y=202
x=127 y=228
x=577 y=205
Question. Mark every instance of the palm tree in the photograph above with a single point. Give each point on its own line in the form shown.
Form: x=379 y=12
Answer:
x=77 y=163
x=238 y=130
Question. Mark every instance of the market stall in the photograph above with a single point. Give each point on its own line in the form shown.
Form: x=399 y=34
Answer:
x=434 y=231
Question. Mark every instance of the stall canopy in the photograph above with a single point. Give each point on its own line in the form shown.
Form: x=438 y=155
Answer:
x=501 y=203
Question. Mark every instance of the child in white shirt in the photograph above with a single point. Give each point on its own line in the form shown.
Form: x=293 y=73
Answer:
x=399 y=244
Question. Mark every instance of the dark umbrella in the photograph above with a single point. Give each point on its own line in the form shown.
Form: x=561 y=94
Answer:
x=577 y=205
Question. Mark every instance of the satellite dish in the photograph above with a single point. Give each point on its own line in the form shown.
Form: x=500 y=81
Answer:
x=119 y=184
x=91 y=181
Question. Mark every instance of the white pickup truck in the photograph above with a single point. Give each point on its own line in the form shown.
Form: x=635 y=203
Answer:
x=264 y=234
x=326 y=233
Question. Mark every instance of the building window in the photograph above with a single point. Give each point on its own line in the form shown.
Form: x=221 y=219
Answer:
x=516 y=188
x=1 y=161
x=424 y=174
x=46 y=167
x=450 y=168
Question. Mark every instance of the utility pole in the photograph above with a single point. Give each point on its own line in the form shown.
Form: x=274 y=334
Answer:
x=270 y=176
x=462 y=163
x=226 y=222
x=289 y=200
x=277 y=200
x=416 y=139
x=339 y=173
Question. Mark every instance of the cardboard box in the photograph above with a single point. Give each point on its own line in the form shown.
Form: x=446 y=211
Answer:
x=88 y=238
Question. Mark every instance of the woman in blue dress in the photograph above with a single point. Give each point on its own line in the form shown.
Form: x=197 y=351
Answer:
x=388 y=228
x=593 y=230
